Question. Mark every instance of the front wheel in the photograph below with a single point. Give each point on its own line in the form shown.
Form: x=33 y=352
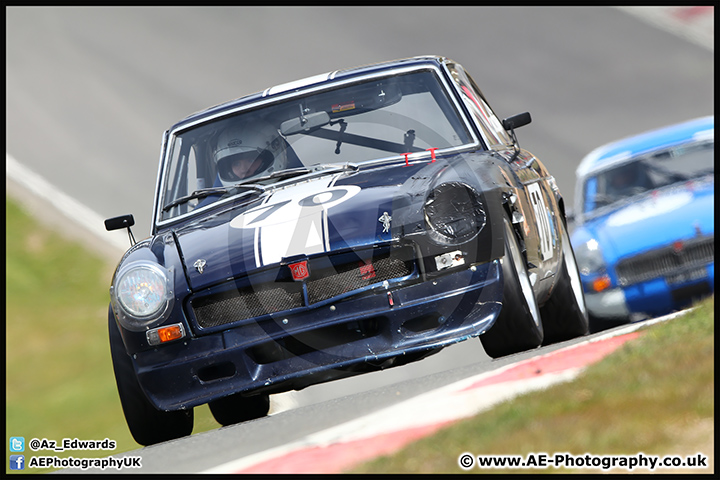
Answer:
x=147 y=424
x=518 y=327
x=565 y=315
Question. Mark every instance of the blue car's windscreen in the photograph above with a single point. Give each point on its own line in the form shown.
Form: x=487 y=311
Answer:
x=648 y=172
x=370 y=120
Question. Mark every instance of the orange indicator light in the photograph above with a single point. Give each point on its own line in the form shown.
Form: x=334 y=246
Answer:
x=167 y=334
x=601 y=283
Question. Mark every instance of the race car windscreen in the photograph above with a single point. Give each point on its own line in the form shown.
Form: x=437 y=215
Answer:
x=649 y=172
x=369 y=120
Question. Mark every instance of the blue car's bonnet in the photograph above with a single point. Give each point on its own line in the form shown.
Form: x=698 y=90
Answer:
x=677 y=213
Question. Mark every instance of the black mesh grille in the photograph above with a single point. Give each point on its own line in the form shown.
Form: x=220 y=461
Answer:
x=237 y=305
x=666 y=261
x=329 y=276
x=345 y=278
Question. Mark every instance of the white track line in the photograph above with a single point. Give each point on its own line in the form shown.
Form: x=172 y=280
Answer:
x=71 y=208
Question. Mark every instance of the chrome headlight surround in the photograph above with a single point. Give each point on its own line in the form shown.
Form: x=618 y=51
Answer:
x=454 y=213
x=142 y=294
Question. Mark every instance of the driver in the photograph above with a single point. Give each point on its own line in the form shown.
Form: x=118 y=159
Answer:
x=628 y=180
x=249 y=150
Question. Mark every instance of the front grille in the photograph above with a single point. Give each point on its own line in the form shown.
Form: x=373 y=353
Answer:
x=229 y=307
x=330 y=276
x=351 y=276
x=666 y=261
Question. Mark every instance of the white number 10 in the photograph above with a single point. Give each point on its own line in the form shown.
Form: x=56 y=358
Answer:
x=543 y=220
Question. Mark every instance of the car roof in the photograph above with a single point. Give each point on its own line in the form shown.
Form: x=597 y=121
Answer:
x=658 y=139
x=336 y=75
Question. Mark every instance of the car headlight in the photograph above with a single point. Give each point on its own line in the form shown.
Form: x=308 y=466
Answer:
x=142 y=293
x=454 y=213
x=591 y=264
x=589 y=258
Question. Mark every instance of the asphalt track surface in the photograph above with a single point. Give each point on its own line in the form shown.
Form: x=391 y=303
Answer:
x=90 y=90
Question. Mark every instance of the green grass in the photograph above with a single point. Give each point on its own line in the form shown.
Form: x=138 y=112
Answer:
x=643 y=398
x=59 y=376
x=646 y=397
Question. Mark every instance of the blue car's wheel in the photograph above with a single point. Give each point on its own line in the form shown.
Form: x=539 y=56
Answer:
x=565 y=315
x=236 y=408
x=147 y=424
x=519 y=326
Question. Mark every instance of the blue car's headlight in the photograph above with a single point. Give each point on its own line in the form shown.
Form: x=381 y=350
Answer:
x=141 y=294
x=591 y=264
x=454 y=213
x=589 y=258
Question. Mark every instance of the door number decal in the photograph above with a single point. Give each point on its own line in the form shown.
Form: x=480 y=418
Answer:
x=543 y=220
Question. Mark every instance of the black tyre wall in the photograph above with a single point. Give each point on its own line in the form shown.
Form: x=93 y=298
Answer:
x=147 y=425
x=516 y=329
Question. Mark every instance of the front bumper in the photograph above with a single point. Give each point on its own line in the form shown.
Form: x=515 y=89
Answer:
x=356 y=335
x=654 y=297
x=608 y=304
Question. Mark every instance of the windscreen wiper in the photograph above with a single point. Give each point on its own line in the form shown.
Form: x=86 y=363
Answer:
x=287 y=173
x=249 y=184
x=206 y=192
x=253 y=185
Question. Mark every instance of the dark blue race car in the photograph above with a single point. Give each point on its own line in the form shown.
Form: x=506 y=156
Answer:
x=645 y=234
x=340 y=224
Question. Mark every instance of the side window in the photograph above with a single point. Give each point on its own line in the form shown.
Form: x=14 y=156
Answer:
x=492 y=130
x=182 y=178
x=172 y=184
x=590 y=194
x=194 y=182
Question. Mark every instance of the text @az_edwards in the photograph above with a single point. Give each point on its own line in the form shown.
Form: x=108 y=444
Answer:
x=71 y=444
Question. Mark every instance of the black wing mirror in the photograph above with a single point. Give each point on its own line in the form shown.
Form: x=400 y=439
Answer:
x=124 y=221
x=511 y=123
x=516 y=121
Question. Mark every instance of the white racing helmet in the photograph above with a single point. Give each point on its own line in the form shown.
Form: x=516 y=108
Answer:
x=260 y=147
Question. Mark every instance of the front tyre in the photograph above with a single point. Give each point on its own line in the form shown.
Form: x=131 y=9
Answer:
x=236 y=408
x=565 y=315
x=519 y=326
x=147 y=424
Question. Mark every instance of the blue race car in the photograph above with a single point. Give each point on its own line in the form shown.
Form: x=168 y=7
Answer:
x=644 y=233
x=340 y=224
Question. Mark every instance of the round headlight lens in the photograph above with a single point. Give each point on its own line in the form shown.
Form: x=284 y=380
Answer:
x=143 y=292
x=454 y=213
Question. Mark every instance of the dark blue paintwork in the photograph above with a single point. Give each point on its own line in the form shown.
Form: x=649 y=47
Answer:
x=376 y=321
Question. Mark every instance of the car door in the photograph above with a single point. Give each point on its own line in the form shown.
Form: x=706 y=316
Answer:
x=533 y=185
x=541 y=217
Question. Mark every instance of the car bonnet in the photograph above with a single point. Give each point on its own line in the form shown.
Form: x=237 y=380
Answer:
x=659 y=218
x=288 y=224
